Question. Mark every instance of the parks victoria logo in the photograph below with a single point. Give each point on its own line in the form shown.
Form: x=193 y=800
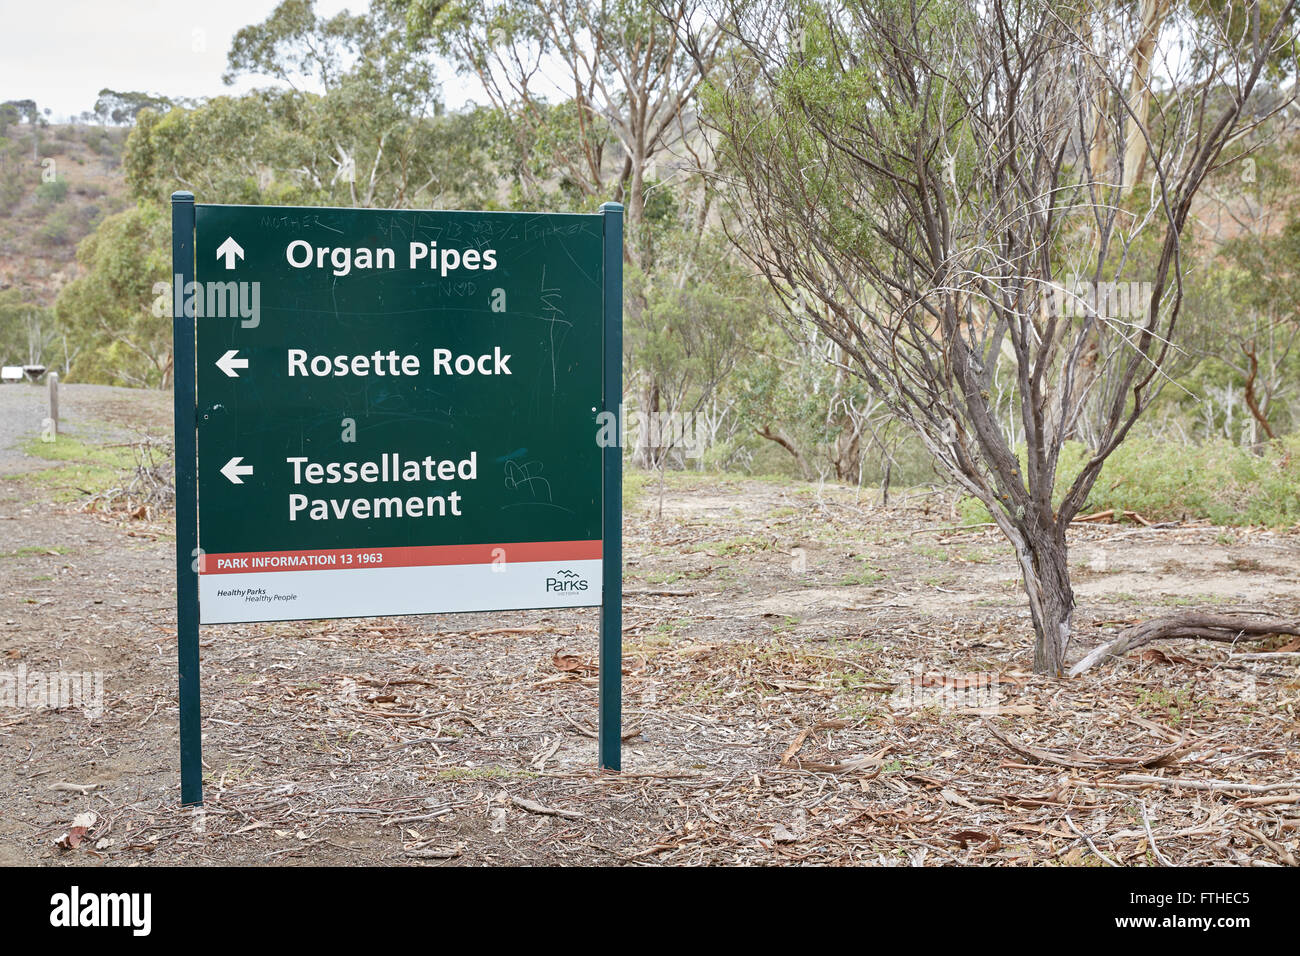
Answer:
x=565 y=580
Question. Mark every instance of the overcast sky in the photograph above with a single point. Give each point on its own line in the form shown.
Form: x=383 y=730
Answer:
x=61 y=53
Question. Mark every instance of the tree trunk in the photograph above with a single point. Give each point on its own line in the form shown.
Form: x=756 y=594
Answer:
x=781 y=438
x=646 y=453
x=848 y=455
x=1154 y=14
x=1045 y=566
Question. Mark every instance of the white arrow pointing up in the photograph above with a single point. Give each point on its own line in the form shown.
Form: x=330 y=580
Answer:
x=228 y=363
x=230 y=251
x=234 y=470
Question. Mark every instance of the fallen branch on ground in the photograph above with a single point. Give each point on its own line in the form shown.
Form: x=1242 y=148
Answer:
x=1082 y=761
x=147 y=490
x=1207 y=627
x=434 y=853
x=1092 y=846
x=659 y=593
x=1195 y=784
x=1110 y=514
x=532 y=806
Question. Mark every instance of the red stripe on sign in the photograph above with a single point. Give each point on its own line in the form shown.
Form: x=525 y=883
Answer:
x=347 y=559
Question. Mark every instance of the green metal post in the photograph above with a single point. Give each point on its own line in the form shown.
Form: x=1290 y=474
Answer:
x=611 y=606
x=187 y=498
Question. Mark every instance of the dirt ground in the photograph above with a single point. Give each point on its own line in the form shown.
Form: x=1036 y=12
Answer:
x=809 y=678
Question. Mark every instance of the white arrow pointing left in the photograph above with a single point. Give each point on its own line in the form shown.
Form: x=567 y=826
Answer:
x=228 y=363
x=230 y=251
x=234 y=470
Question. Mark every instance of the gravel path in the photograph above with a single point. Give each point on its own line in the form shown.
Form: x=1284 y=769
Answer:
x=22 y=409
x=95 y=413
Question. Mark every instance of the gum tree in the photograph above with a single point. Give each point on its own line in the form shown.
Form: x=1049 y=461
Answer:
x=597 y=97
x=916 y=180
x=595 y=91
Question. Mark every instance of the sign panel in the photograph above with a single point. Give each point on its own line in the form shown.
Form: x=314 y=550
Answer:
x=397 y=412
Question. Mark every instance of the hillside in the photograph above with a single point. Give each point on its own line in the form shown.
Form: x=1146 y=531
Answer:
x=56 y=184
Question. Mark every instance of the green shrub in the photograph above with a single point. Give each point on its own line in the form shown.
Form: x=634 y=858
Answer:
x=11 y=190
x=52 y=192
x=1167 y=481
x=98 y=139
x=56 y=230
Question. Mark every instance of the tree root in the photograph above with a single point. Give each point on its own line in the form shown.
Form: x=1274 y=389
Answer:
x=1205 y=627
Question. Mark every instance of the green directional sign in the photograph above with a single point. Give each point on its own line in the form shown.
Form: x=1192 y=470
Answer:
x=397 y=411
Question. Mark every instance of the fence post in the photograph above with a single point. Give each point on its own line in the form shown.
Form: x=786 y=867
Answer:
x=54 y=403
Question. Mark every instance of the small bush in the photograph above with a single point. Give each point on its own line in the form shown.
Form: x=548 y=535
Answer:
x=56 y=230
x=11 y=191
x=53 y=192
x=97 y=139
x=1166 y=481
